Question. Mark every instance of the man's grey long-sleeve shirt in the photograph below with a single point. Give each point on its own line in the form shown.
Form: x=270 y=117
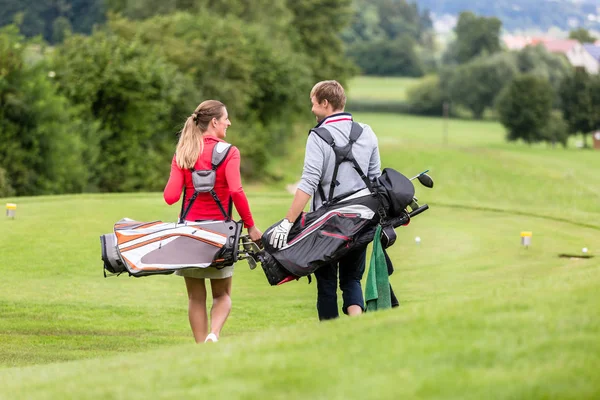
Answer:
x=319 y=159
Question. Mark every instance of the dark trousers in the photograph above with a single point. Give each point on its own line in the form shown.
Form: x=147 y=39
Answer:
x=351 y=269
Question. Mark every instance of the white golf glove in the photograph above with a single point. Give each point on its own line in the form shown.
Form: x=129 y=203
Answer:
x=280 y=233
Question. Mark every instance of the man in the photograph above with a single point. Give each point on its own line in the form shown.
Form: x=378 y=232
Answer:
x=328 y=102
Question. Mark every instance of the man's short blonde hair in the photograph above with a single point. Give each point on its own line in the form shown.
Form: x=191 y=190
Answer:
x=331 y=91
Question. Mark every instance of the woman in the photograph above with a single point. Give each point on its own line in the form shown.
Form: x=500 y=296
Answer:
x=206 y=127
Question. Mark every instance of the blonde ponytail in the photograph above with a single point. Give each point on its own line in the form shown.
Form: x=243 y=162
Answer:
x=191 y=141
x=190 y=145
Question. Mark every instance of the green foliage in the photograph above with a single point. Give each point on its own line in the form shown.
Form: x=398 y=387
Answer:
x=127 y=89
x=476 y=84
x=272 y=13
x=582 y=35
x=475 y=36
x=538 y=61
x=427 y=98
x=6 y=189
x=595 y=96
x=385 y=57
x=42 y=147
x=556 y=130
x=261 y=79
x=365 y=25
x=390 y=19
x=61 y=28
x=525 y=107
x=318 y=24
x=137 y=97
x=384 y=37
x=577 y=99
x=51 y=18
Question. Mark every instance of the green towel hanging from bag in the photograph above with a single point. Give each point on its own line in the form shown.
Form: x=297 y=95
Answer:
x=377 y=290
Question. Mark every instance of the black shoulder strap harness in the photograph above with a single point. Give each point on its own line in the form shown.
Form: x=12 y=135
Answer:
x=342 y=154
x=207 y=179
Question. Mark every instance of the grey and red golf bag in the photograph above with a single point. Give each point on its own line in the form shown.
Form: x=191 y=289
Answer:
x=341 y=224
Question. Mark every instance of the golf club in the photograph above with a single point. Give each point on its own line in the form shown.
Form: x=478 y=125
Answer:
x=424 y=179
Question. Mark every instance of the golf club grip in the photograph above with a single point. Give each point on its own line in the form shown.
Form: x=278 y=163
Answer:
x=419 y=210
x=401 y=220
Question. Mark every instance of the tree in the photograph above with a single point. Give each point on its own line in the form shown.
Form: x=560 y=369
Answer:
x=39 y=17
x=263 y=81
x=525 y=107
x=556 y=130
x=267 y=12
x=577 y=99
x=426 y=97
x=6 y=189
x=365 y=25
x=582 y=35
x=388 y=57
x=475 y=36
x=595 y=97
x=61 y=28
x=377 y=19
x=138 y=99
x=42 y=142
x=538 y=61
x=307 y=25
x=477 y=83
x=390 y=37
x=319 y=24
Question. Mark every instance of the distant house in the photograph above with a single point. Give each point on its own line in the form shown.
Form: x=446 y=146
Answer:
x=516 y=42
x=579 y=55
x=594 y=50
x=575 y=52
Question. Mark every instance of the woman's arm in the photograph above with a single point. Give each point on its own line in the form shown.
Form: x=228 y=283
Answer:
x=234 y=182
x=172 y=191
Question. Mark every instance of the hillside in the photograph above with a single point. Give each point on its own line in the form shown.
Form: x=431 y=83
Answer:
x=480 y=315
x=525 y=14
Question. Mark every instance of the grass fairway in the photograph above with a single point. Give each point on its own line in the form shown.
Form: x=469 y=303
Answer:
x=480 y=316
x=379 y=88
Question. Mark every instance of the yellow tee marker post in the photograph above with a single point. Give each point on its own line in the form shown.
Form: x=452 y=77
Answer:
x=526 y=239
x=11 y=210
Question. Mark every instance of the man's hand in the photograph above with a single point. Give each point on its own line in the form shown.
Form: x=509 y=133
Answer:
x=280 y=233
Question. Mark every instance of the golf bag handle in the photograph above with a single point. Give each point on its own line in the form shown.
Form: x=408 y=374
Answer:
x=404 y=219
x=418 y=210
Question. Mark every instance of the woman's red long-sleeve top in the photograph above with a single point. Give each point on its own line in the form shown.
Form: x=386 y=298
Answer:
x=228 y=184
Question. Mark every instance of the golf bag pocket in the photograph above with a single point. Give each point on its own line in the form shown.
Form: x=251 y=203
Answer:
x=273 y=270
x=112 y=261
x=322 y=236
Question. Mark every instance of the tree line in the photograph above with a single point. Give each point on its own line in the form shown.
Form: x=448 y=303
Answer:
x=524 y=14
x=381 y=37
x=94 y=92
x=537 y=95
x=101 y=111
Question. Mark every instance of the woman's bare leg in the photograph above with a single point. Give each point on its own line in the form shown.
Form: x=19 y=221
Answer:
x=221 y=291
x=197 y=308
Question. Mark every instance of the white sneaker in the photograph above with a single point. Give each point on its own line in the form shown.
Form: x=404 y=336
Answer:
x=211 y=338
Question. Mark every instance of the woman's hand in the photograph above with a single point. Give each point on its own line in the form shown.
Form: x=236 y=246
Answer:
x=255 y=235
